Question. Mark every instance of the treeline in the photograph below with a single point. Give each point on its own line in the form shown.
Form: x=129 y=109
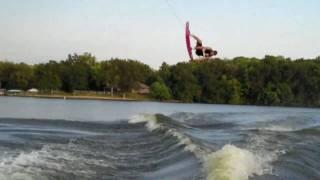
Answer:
x=77 y=72
x=272 y=80
x=268 y=81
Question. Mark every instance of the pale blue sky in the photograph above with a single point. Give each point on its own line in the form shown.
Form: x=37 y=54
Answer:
x=36 y=31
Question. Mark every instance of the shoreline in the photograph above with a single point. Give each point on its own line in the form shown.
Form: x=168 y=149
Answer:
x=86 y=97
x=77 y=97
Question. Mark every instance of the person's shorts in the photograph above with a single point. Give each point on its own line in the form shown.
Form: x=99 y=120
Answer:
x=199 y=52
x=207 y=51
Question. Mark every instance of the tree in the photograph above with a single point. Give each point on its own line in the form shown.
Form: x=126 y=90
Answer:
x=184 y=84
x=76 y=72
x=159 y=90
x=47 y=76
x=272 y=80
x=285 y=94
x=109 y=75
x=165 y=72
x=17 y=76
x=269 y=96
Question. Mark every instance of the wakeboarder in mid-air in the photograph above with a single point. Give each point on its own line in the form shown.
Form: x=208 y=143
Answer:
x=200 y=50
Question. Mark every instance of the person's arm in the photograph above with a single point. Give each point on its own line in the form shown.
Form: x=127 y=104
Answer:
x=196 y=38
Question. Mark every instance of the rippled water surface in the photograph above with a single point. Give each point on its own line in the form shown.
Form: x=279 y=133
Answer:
x=83 y=139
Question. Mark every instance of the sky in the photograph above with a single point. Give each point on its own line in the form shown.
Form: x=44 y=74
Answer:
x=152 y=31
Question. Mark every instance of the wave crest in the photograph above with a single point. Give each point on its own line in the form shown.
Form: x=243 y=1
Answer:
x=228 y=163
x=152 y=124
x=233 y=163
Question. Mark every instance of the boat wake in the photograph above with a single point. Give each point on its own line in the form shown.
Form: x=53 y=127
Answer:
x=229 y=162
x=155 y=146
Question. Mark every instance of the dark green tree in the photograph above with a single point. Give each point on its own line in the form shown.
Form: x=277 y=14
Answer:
x=159 y=90
x=47 y=76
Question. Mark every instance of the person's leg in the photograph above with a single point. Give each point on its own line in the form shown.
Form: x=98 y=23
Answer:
x=207 y=48
x=208 y=52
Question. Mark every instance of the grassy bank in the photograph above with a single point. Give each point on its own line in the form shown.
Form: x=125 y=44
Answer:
x=87 y=95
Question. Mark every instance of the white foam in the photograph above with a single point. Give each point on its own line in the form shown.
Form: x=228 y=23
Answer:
x=16 y=176
x=140 y=118
x=18 y=167
x=152 y=124
x=228 y=163
x=31 y=165
x=276 y=128
x=280 y=128
x=286 y=125
x=289 y=127
x=149 y=119
x=187 y=142
x=233 y=163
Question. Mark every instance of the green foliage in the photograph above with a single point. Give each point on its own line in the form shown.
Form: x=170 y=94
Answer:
x=272 y=80
x=123 y=74
x=184 y=84
x=160 y=91
x=15 y=75
x=47 y=76
x=76 y=72
x=269 y=96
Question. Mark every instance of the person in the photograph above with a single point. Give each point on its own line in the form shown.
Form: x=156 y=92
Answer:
x=201 y=50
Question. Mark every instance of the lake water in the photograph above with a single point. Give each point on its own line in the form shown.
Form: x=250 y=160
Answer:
x=84 y=139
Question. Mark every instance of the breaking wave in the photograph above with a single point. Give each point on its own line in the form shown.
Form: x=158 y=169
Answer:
x=228 y=163
x=155 y=146
x=286 y=124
